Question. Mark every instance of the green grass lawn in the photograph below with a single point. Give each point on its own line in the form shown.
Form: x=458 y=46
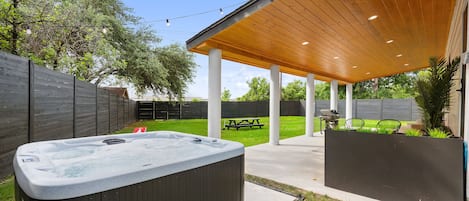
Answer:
x=290 y=126
x=7 y=190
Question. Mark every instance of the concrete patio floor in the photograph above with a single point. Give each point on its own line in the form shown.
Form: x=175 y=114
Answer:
x=297 y=161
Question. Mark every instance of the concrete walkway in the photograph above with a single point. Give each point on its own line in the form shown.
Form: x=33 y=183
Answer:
x=297 y=161
x=253 y=192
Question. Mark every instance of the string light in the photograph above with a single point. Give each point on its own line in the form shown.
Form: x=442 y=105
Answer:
x=219 y=10
x=167 y=20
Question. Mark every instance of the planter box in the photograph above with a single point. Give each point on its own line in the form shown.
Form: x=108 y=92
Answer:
x=395 y=167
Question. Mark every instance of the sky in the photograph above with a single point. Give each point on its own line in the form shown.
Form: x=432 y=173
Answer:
x=155 y=13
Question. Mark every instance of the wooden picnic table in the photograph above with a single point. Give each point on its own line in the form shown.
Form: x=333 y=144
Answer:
x=243 y=122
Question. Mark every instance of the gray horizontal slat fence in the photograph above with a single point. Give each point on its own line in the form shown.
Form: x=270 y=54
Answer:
x=103 y=111
x=396 y=108
x=290 y=108
x=341 y=108
x=369 y=109
x=416 y=114
x=401 y=109
x=262 y=108
x=40 y=104
x=120 y=113
x=53 y=105
x=193 y=110
x=85 y=109
x=125 y=106
x=113 y=112
x=321 y=104
x=14 y=112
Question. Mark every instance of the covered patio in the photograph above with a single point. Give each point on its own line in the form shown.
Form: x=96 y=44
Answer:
x=341 y=42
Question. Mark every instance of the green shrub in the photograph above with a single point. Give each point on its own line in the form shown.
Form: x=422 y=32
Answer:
x=413 y=132
x=437 y=133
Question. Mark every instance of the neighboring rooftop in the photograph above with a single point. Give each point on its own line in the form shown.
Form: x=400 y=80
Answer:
x=120 y=91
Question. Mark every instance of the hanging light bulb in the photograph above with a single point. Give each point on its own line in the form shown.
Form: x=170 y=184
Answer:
x=221 y=11
x=28 y=31
x=104 y=30
x=167 y=23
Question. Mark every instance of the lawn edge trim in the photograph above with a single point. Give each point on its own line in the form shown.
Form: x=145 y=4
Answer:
x=298 y=193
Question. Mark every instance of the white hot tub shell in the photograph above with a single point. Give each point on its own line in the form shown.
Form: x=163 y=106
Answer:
x=80 y=167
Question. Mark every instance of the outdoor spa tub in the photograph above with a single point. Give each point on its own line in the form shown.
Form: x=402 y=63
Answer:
x=150 y=166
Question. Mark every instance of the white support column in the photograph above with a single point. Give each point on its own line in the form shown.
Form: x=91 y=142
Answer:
x=348 y=101
x=334 y=95
x=310 y=105
x=274 y=107
x=214 y=93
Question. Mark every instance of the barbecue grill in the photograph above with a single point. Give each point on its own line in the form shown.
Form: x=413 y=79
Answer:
x=330 y=118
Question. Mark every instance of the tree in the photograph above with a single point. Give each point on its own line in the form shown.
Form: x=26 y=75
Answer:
x=322 y=91
x=258 y=90
x=396 y=86
x=225 y=95
x=295 y=90
x=95 y=41
x=434 y=91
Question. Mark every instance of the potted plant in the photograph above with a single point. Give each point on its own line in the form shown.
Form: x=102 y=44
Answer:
x=434 y=92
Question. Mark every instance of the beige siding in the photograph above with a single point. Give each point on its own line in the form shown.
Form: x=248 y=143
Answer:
x=454 y=49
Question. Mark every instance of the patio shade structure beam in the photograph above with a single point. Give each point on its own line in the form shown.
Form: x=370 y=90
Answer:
x=274 y=105
x=334 y=95
x=214 y=93
x=310 y=105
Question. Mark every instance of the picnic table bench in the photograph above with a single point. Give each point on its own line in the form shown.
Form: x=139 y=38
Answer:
x=243 y=122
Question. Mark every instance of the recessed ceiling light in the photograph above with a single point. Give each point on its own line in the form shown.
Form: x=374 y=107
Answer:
x=336 y=57
x=406 y=64
x=354 y=66
x=373 y=17
x=368 y=73
x=399 y=55
x=389 y=41
x=305 y=43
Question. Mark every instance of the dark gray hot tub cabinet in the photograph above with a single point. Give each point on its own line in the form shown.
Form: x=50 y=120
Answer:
x=220 y=181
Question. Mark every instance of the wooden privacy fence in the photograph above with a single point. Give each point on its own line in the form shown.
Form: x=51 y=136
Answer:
x=401 y=109
x=40 y=104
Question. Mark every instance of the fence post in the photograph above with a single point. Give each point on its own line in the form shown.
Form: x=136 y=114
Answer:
x=31 y=101
x=96 y=96
x=74 y=106
x=153 y=111
x=109 y=110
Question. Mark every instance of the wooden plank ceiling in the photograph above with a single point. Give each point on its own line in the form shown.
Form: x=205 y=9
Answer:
x=343 y=43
